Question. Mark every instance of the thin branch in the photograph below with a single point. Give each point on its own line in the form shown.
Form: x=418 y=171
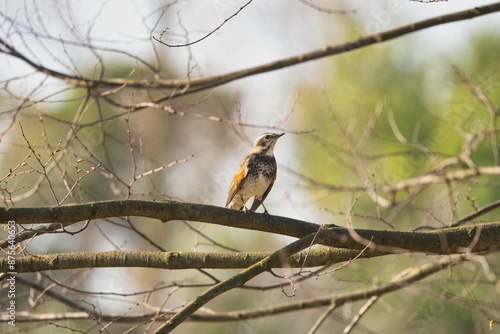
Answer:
x=202 y=38
x=478 y=93
x=321 y=319
x=78 y=179
x=362 y=311
x=196 y=85
x=327 y=10
x=429 y=1
x=415 y=182
x=44 y=173
x=162 y=167
x=467 y=219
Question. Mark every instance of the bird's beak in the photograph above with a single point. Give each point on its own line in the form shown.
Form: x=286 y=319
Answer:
x=281 y=134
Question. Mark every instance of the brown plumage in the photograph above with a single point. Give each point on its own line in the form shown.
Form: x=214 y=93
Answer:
x=255 y=175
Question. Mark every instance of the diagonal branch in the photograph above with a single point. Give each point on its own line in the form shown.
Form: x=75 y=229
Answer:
x=276 y=258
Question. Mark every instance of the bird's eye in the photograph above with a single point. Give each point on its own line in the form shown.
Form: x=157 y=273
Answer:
x=267 y=137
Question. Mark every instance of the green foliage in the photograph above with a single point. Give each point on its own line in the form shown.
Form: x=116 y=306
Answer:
x=423 y=114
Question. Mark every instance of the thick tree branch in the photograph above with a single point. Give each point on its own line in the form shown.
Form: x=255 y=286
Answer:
x=443 y=241
x=320 y=256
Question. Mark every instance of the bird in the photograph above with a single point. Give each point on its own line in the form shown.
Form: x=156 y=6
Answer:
x=255 y=175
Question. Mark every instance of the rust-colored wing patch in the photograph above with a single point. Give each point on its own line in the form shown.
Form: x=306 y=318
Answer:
x=240 y=174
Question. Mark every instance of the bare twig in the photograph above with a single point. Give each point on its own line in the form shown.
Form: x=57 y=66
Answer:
x=327 y=10
x=485 y=100
x=202 y=38
x=210 y=82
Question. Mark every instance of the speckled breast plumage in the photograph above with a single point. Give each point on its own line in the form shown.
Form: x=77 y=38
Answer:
x=261 y=173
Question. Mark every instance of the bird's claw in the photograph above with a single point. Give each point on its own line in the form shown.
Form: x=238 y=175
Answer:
x=247 y=211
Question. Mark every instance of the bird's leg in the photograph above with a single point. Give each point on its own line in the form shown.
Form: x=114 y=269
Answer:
x=245 y=209
x=266 y=212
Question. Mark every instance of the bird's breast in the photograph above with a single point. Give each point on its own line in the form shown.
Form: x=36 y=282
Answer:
x=262 y=166
x=261 y=172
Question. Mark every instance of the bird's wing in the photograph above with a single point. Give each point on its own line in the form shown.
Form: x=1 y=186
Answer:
x=257 y=202
x=239 y=175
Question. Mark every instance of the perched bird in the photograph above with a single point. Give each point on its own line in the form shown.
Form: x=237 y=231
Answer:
x=255 y=175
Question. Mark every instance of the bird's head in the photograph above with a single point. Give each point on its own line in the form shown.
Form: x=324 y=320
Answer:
x=265 y=142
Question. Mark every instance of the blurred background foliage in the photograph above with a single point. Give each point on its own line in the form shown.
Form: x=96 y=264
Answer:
x=433 y=111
